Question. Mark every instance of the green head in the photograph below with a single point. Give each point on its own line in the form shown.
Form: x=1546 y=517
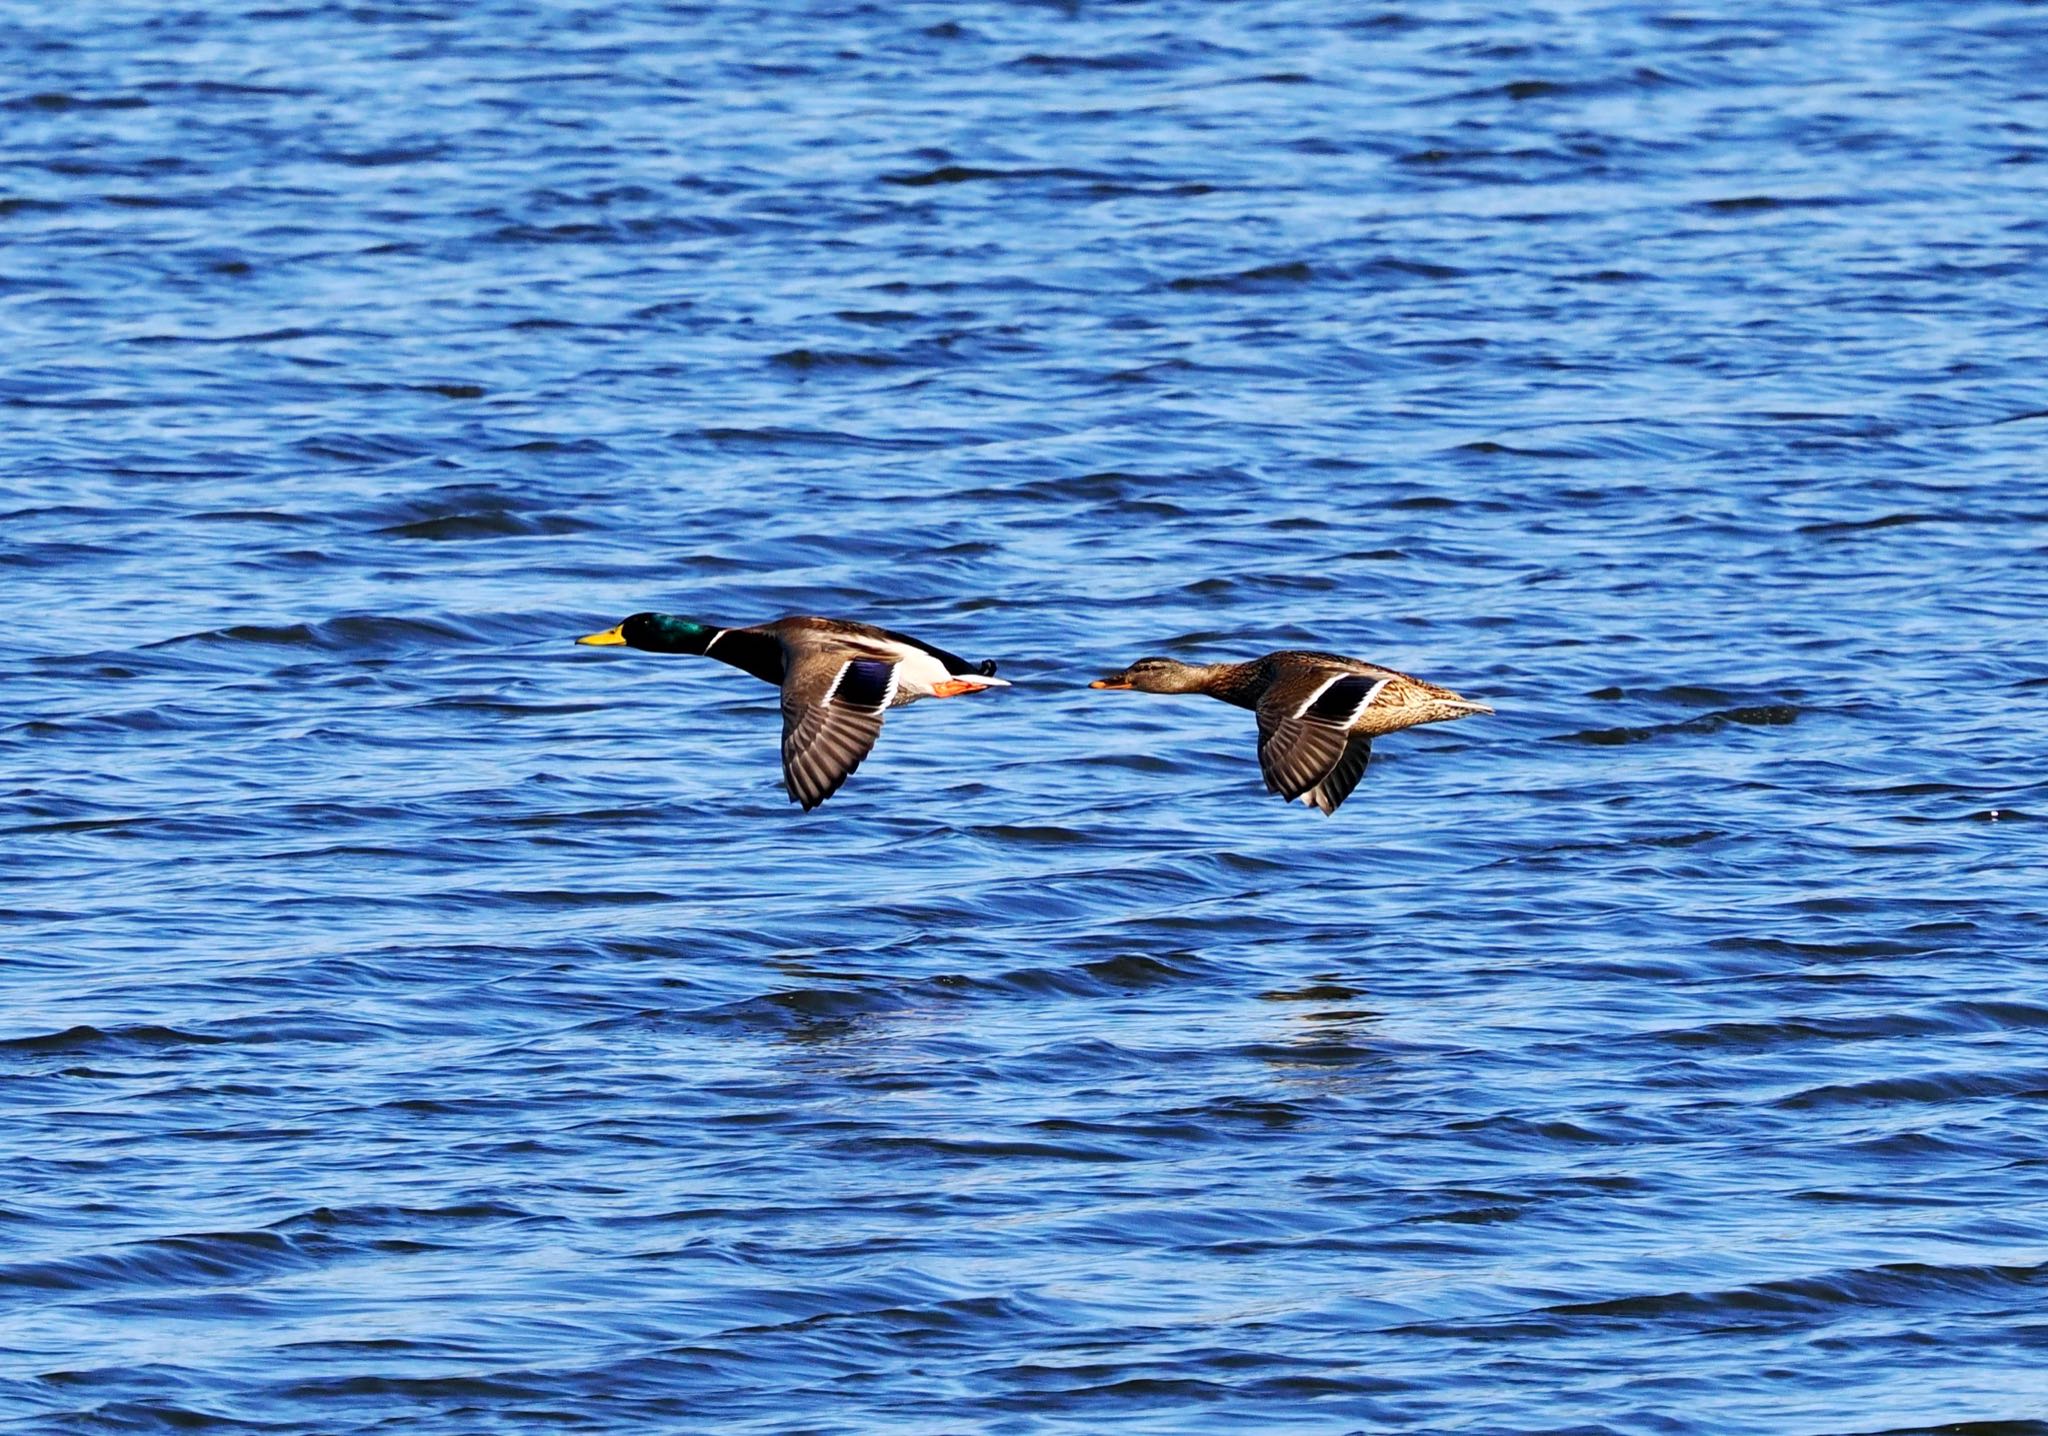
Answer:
x=657 y=633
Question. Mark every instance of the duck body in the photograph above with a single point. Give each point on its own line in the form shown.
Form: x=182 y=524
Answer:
x=1318 y=712
x=837 y=679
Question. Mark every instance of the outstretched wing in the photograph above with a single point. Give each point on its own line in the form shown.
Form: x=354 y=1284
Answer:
x=832 y=707
x=1340 y=780
x=1304 y=729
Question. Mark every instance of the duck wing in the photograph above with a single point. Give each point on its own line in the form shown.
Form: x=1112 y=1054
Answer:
x=1341 y=779
x=832 y=706
x=1305 y=717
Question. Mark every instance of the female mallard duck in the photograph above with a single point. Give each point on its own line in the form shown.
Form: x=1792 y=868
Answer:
x=837 y=679
x=1318 y=712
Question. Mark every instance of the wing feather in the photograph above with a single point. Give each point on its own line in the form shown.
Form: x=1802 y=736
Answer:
x=1337 y=784
x=832 y=707
x=1304 y=738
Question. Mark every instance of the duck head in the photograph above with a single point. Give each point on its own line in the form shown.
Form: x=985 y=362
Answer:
x=1160 y=675
x=657 y=633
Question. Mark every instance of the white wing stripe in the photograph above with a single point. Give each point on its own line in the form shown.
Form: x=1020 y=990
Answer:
x=1322 y=688
x=888 y=694
x=1336 y=678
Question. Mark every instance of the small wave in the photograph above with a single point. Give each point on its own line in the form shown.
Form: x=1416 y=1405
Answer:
x=1163 y=189
x=485 y=524
x=1128 y=972
x=1493 y=446
x=1526 y=90
x=1750 y=203
x=254 y=516
x=1081 y=64
x=1887 y=521
x=200 y=1259
x=95 y=1041
x=1333 y=1048
x=557 y=446
x=1265 y=276
x=390 y=155
x=979 y=1150
x=1270 y=1114
x=375 y=1218
x=57 y=101
x=329 y=1393
x=966 y=174
x=228 y=89
x=1851 y=950
x=877 y=316
x=1686 y=694
x=1314 y=992
x=620 y=231
x=261 y=336
x=805 y=360
x=1791 y=1031
x=800 y=1007
x=1457 y=162
x=1147 y=1129
x=359 y=448
x=1894 y=1286
x=1641 y=77
x=1102 y=486
x=353 y=633
x=800 y=439
x=1468 y=1216
x=1763 y=715
x=1932 y=1087
x=559 y=898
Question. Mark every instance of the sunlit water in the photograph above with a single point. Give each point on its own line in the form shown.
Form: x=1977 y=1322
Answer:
x=412 y=1022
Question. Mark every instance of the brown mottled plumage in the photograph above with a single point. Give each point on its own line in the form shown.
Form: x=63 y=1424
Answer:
x=1318 y=712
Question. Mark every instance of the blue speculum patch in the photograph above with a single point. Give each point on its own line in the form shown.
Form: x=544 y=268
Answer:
x=864 y=683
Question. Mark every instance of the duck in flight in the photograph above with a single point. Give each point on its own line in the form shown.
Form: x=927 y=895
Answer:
x=1318 y=712
x=837 y=680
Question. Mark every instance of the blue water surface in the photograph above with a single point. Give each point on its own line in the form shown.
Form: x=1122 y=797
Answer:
x=411 y=1022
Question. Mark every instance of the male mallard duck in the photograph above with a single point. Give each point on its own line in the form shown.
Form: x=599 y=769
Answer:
x=837 y=678
x=1318 y=712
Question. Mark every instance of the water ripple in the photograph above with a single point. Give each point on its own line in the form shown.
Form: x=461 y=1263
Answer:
x=414 y=1020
